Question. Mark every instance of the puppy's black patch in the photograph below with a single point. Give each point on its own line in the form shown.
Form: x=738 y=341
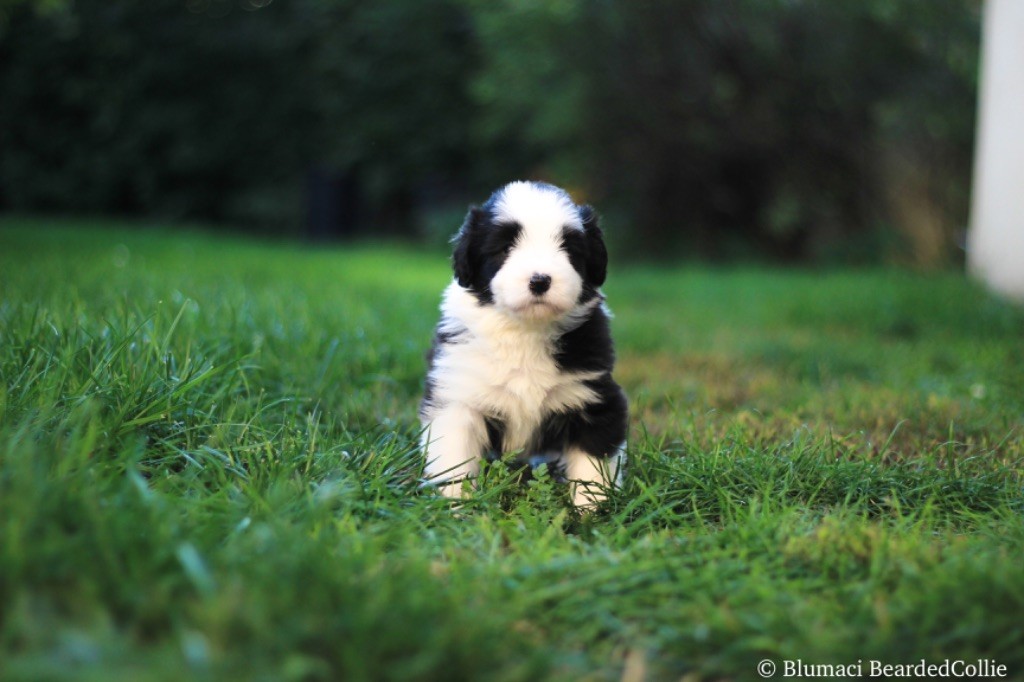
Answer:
x=495 y=435
x=481 y=248
x=588 y=347
x=598 y=429
x=587 y=252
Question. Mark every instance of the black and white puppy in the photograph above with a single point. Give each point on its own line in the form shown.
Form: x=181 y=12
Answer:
x=522 y=358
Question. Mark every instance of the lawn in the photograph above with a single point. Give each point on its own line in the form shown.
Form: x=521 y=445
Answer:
x=208 y=471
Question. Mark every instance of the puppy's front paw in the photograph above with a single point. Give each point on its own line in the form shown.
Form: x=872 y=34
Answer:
x=590 y=477
x=586 y=496
x=452 y=490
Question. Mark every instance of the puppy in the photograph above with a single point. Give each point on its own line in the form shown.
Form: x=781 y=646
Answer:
x=521 y=361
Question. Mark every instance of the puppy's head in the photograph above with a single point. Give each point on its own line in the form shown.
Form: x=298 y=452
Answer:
x=531 y=252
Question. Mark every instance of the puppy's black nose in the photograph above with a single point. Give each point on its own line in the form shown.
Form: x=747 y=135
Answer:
x=539 y=283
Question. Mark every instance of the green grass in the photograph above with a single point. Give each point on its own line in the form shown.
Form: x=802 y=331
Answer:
x=208 y=471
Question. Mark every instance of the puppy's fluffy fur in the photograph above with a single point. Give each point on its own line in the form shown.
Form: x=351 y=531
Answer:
x=522 y=358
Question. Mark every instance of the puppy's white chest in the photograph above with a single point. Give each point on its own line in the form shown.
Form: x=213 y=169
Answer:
x=523 y=385
x=519 y=379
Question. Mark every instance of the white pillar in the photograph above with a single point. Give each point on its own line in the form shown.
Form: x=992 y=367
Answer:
x=995 y=243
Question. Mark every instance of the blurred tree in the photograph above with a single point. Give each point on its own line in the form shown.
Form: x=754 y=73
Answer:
x=790 y=129
x=724 y=127
x=392 y=101
x=531 y=90
x=167 y=108
x=8 y=7
x=221 y=110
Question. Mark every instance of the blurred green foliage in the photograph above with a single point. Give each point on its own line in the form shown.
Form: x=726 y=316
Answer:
x=798 y=129
x=787 y=129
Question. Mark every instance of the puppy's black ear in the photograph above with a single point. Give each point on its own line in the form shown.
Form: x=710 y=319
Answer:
x=465 y=257
x=597 y=254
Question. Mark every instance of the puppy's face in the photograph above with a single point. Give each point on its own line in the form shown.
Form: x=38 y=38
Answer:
x=531 y=252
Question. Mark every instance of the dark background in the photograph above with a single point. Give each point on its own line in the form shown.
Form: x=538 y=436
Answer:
x=832 y=131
